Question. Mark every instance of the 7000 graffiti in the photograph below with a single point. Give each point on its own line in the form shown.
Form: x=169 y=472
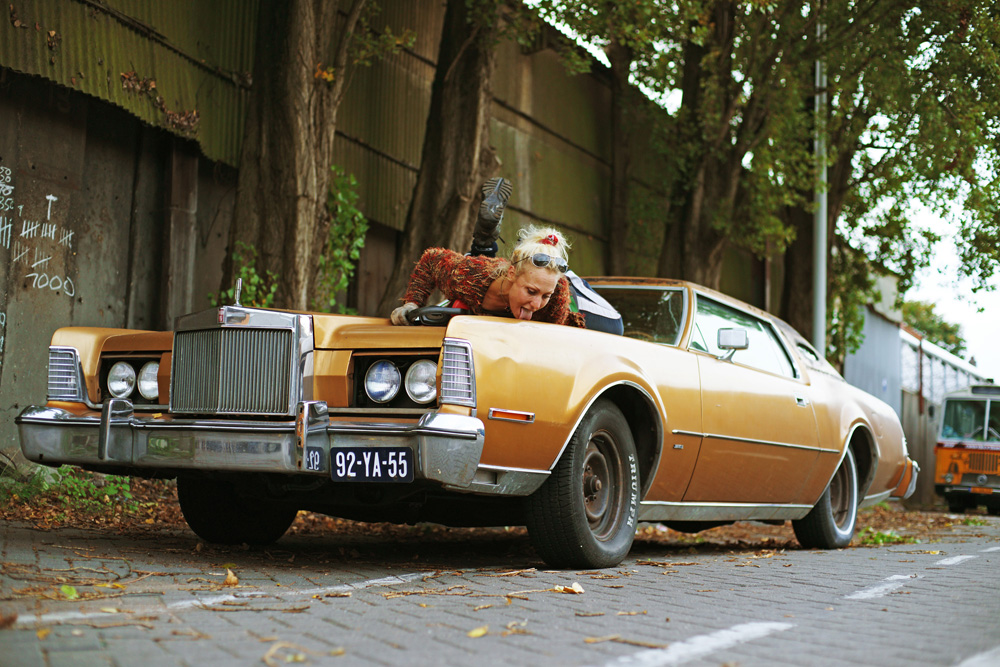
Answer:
x=54 y=283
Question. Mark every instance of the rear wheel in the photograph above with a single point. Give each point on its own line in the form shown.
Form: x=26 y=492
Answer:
x=217 y=512
x=830 y=524
x=585 y=514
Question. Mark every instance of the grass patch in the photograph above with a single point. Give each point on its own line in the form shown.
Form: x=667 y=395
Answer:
x=974 y=521
x=871 y=537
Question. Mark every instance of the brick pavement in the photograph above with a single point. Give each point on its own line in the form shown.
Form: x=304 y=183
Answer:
x=160 y=600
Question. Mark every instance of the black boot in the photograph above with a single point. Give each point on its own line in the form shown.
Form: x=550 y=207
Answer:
x=496 y=192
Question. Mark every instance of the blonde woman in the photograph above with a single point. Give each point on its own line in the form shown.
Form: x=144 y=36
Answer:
x=529 y=286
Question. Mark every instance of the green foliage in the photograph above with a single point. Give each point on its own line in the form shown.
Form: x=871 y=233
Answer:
x=871 y=537
x=348 y=227
x=257 y=291
x=71 y=488
x=974 y=521
x=368 y=44
x=852 y=288
x=921 y=316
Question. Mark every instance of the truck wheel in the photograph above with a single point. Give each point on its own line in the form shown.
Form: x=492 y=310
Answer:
x=830 y=523
x=584 y=515
x=217 y=512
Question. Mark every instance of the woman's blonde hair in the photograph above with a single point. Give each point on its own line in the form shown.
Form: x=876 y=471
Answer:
x=533 y=240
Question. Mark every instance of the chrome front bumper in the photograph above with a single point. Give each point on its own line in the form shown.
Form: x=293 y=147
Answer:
x=447 y=448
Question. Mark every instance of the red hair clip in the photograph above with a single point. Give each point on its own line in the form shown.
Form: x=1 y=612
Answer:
x=551 y=239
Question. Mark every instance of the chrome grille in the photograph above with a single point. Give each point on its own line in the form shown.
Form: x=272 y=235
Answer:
x=458 y=377
x=239 y=370
x=987 y=462
x=64 y=375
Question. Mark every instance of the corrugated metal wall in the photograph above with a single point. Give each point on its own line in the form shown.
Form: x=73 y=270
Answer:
x=116 y=50
x=875 y=366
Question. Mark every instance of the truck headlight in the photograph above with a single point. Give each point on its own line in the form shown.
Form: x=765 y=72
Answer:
x=421 y=381
x=948 y=477
x=121 y=379
x=382 y=381
x=148 y=385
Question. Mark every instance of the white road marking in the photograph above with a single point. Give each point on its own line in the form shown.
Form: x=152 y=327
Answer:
x=700 y=645
x=954 y=560
x=63 y=617
x=989 y=658
x=878 y=590
x=991 y=549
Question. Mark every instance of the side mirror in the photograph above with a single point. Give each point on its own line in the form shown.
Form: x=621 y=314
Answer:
x=732 y=340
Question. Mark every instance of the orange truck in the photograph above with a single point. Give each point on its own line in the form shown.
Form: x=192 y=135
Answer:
x=967 y=455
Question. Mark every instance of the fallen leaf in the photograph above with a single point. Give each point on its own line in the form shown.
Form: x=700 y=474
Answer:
x=481 y=607
x=598 y=640
x=339 y=594
x=478 y=632
x=69 y=592
x=632 y=613
x=584 y=614
x=575 y=589
x=7 y=621
x=231 y=579
x=109 y=610
x=43 y=633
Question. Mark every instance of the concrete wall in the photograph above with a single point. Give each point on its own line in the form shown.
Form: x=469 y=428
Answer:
x=84 y=226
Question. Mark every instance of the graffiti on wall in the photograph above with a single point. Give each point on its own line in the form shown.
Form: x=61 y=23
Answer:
x=32 y=243
x=36 y=245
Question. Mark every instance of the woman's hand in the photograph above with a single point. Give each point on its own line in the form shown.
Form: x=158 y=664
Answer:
x=398 y=316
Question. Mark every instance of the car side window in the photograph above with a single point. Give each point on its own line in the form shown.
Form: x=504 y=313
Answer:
x=765 y=351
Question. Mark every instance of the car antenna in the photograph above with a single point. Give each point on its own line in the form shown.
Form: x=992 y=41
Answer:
x=239 y=288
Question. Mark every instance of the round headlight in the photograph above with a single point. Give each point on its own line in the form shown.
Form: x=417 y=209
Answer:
x=382 y=381
x=948 y=477
x=148 y=386
x=121 y=379
x=421 y=381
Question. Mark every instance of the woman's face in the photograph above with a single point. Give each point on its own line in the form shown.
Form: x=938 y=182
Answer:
x=530 y=290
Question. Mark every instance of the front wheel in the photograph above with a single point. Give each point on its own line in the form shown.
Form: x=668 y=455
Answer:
x=217 y=512
x=584 y=516
x=830 y=524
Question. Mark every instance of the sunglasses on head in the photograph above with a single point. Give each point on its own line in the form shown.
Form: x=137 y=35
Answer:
x=541 y=260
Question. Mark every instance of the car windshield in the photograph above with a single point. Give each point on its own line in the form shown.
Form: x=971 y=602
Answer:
x=654 y=314
x=971 y=419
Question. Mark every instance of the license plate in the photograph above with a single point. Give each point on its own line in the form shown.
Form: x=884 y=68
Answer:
x=981 y=489
x=371 y=464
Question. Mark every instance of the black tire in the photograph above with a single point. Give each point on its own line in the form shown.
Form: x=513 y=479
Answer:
x=956 y=504
x=831 y=522
x=584 y=515
x=218 y=513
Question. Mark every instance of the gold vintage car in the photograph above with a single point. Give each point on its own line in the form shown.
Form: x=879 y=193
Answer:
x=706 y=411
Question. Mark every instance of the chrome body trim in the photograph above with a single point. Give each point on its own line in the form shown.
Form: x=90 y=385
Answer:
x=299 y=367
x=447 y=448
x=875 y=499
x=457 y=364
x=680 y=511
x=773 y=443
x=501 y=481
x=78 y=378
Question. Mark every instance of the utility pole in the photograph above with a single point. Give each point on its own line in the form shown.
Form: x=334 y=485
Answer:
x=820 y=219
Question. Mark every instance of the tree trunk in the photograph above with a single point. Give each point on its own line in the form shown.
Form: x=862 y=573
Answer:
x=288 y=145
x=456 y=157
x=620 y=57
x=796 y=305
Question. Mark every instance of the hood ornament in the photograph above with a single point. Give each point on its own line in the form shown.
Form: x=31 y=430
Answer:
x=239 y=288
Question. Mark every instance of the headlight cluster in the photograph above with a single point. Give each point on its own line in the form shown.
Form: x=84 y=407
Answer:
x=124 y=378
x=384 y=380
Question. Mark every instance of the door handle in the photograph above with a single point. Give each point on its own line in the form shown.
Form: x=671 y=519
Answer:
x=802 y=401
